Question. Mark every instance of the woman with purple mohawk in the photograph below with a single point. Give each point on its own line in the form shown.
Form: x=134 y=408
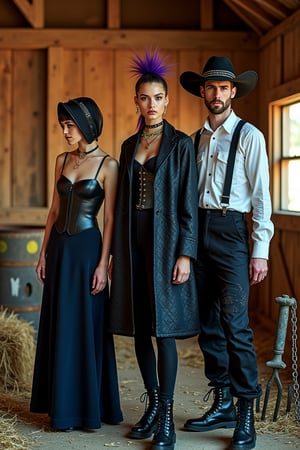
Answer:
x=153 y=291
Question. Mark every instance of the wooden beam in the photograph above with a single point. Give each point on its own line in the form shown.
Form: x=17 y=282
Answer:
x=124 y=39
x=24 y=216
x=245 y=17
x=206 y=15
x=113 y=14
x=33 y=11
x=285 y=26
x=274 y=8
x=257 y=13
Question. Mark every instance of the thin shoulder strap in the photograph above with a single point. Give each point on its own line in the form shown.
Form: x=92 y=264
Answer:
x=230 y=166
x=100 y=165
x=65 y=159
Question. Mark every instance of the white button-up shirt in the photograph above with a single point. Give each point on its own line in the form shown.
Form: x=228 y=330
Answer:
x=250 y=181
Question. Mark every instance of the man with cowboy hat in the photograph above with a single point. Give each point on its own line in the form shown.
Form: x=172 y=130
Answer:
x=225 y=269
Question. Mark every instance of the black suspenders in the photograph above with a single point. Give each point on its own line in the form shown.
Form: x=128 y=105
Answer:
x=230 y=163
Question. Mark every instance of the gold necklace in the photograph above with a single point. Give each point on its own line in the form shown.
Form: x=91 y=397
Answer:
x=146 y=135
x=82 y=157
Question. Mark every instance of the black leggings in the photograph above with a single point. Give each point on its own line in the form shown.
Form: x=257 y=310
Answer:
x=162 y=375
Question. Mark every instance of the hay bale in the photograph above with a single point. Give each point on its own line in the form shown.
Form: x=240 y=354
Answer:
x=17 y=350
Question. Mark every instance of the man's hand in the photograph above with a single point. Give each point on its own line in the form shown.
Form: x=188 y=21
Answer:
x=258 y=270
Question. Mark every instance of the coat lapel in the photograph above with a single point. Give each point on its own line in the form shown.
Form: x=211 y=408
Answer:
x=167 y=144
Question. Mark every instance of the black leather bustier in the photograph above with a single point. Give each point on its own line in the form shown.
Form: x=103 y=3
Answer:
x=143 y=184
x=79 y=205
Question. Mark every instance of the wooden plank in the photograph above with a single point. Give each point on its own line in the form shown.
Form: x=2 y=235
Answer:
x=191 y=111
x=247 y=106
x=286 y=92
x=172 y=81
x=99 y=85
x=5 y=126
x=113 y=14
x=286 y=221
x=55 y=94
x=124 y=39
x=125 y=109
x=288 y=57
x=28 y=129
x=23 y=216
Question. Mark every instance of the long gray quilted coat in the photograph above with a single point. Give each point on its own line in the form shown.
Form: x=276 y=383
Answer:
x=175 y=233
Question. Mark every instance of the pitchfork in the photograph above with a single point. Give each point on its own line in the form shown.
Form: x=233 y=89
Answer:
x=276 y=363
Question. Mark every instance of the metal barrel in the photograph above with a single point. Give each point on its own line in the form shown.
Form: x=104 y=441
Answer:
x=20 y=290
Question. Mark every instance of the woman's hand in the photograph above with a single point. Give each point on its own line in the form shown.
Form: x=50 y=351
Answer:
x=41 y=269
x=182 y=269
x=99 y=280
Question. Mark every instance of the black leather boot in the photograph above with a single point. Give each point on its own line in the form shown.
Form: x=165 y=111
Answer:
x=164 y=437
x=244 y=436
x=146 y=426
x=221 y=414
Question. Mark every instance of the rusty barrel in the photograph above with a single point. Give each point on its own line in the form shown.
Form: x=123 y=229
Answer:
x=20 y=290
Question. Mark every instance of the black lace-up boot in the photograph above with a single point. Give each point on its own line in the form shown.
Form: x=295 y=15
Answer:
x=146 y=426
x=244 y=436
x=222 y=413
x=164 y=437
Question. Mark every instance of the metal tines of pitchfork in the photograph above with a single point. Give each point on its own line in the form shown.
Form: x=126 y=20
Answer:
x=276 y=363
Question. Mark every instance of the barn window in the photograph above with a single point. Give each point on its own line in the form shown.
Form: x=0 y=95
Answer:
x=286 y=151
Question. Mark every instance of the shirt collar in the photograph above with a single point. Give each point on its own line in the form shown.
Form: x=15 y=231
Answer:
x=228 y=125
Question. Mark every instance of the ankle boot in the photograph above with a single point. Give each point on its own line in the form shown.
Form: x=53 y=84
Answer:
x=221 y=414
x=146 y=426
x=244 y=436
x=164 y=437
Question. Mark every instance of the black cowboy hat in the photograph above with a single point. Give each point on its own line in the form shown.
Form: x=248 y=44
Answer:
x=86 y=114
x=219 y=68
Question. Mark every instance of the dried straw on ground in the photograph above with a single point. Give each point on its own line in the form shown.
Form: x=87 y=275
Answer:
x=17 y=349
x=9 y=438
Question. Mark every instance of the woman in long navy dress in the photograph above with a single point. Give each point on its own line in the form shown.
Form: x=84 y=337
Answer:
x=75 y=378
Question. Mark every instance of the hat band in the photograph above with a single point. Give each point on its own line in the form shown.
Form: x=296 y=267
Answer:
x=88 y=116
x=218 y=73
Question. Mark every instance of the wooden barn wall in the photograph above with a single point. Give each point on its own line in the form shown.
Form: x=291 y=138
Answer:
x=36 y=73
x=38 y=68
x=279 y=73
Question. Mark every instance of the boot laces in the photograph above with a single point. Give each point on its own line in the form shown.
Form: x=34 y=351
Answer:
x=164 y=419
x=244 y=418
x=218 y=399
x=144 y=398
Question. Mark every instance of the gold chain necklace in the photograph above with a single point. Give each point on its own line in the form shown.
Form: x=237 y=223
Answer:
x=155 y=135
x=81 y=158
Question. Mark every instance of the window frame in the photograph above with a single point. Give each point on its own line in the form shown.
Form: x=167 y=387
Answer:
x=278 y=157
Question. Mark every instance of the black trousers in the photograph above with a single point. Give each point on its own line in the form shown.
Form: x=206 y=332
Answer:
x=222 y=272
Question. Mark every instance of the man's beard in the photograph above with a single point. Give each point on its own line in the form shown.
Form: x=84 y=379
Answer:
x=217 y=109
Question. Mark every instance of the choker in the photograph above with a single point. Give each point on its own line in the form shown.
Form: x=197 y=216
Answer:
x=83 y=154
x=156 y=125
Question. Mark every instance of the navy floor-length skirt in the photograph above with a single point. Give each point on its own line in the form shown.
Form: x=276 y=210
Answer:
x=75 y=377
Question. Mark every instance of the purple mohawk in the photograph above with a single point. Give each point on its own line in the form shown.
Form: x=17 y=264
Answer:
x=151 y=63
